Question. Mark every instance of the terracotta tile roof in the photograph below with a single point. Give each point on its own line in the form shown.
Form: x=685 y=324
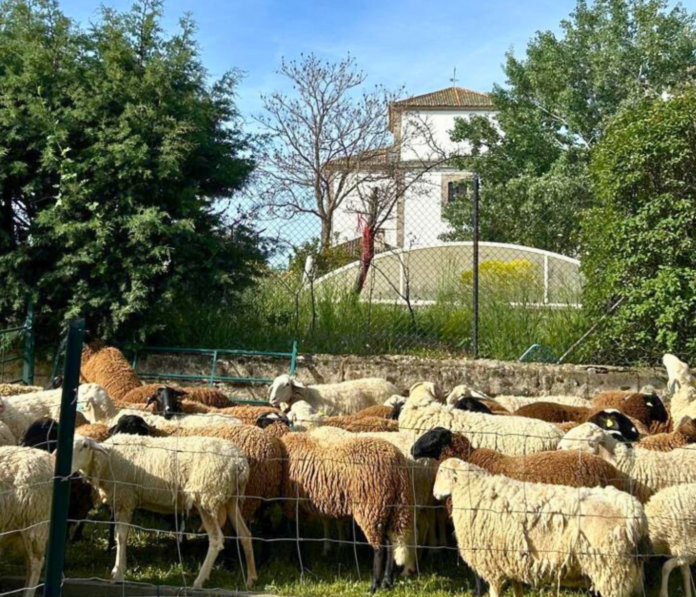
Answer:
x=452 y=97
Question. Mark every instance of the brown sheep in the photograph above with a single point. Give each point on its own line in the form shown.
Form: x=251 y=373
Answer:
x=110 y=369
x=201 y=394
x=646 y=408
x=356 y=425
x=96 y=431
x=684 y=435
x=553 y=412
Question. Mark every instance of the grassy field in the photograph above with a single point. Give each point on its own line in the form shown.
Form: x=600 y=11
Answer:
x=155 y=558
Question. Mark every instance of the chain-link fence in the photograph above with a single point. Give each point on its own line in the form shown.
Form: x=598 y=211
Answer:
x=409 y=286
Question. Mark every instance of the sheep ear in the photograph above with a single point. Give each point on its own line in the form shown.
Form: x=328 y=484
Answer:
x=296 y=383
x=151 y=400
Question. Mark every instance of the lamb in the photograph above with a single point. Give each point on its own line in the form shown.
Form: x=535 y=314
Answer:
x=343 y=398
x=555 y=468
x=648 y=409
x=534 y=533
x=198 y=394
x=510 y=435
x=364 y=478
x=684 y=435
x=682 y=386
x=26 y=488
x=170 y=475
x=650 y=470
x=19 y=412
x=672 y=527
x=108 y=367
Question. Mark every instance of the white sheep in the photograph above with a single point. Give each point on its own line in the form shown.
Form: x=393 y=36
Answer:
x=26 y=488
x=169 y=475
x=672 y=528
x=509 y=434
x=395 y=400
x=303 y=416
x=681 y=385
x=19 y=412
x=534 y=533
x=651 y=470
x=179 y=420
x=344 y=398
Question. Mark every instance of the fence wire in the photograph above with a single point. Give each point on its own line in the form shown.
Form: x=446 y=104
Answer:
x=544 y=533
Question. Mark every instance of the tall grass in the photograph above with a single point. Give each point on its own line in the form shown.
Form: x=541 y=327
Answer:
x=333 y=320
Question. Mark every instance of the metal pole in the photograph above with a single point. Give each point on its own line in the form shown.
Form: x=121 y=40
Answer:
x=475 y=327
x=61 y=482
x=29 y=341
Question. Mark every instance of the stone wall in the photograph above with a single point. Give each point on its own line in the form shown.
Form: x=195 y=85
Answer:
x=492 y=377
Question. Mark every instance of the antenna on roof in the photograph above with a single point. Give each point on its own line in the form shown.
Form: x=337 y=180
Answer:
x=454 y=79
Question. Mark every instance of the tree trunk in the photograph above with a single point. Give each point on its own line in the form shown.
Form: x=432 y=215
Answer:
x=367 y=254
x=326 y=232
x=7 y=237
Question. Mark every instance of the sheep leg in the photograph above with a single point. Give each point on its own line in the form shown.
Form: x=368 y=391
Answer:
x=215 y=544
x=686 y=577
x=112 y=528
x=496 y=588
x=327 y=532
x=669 y=565
x=123 y=519
x=244 y=536
x=377 y=567
x=517 y=588
x=34 y=558
x=389 y=567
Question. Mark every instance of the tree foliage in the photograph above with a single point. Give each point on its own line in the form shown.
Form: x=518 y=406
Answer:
x=641 y=237
x=117 y=163
x=553 y=110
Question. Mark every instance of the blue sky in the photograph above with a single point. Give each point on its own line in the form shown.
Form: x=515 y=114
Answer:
x=396 y=42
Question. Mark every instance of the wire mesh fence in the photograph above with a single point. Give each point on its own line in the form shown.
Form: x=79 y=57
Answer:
x=221 y=497
x=403 y=284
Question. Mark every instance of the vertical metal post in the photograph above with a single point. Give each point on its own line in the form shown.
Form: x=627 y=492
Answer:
x=293 y=358
x=61 y=482
x=29 y=342
x=475 y=326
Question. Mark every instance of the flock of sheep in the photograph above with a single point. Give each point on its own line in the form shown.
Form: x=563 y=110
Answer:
x=558 y=490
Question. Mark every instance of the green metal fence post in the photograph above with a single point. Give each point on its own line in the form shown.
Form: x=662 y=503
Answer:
x=293 y=358
x=61 y=482
x=29 y=343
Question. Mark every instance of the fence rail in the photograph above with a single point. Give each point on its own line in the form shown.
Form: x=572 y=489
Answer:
x=18 y=344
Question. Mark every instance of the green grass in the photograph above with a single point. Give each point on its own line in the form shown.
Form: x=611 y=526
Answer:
x=277 y=311
x=154 y=558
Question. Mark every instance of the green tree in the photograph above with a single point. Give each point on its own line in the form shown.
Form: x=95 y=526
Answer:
x=118 y=161
x=641 y=237
x=553 y=110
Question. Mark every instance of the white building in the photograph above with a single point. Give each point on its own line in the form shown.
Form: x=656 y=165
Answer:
x=420 y=127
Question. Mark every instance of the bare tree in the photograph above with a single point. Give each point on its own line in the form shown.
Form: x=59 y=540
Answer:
x=325 y=121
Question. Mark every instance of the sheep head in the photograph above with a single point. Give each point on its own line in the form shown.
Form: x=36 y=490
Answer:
x=84 y=449
x=678 y=373
x=423 y=393
x=166 y=401
x=450 y=472
x=463 y=391
x=94 y=403
x=615 y=423
x=584 y=438
x=284 y=389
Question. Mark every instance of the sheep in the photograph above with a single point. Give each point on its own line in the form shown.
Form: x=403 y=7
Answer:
x=510 y=435
x=535 y=533
x=648 y=409
x=169 y=475
x=464 y=391
x=682 y=387
x=26 y=489
x=395 y=400
x=303 y=417
x=169 y=427
x=13 y=389
x=364 y=478
x=512 y=403
x=650 y=470
x=108 y=367
x=473 y=405
x=19 y=412
x=553 y=412
x=672 y=527
x=554 y=467
x=276 y=425
x=99 y=432
x=200 y=394
x=684 y=435
x=343 y=398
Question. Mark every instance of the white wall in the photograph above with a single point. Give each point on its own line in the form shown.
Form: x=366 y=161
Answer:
x=426 y=133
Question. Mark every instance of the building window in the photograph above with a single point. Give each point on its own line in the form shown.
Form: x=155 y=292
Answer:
x=457 y=189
